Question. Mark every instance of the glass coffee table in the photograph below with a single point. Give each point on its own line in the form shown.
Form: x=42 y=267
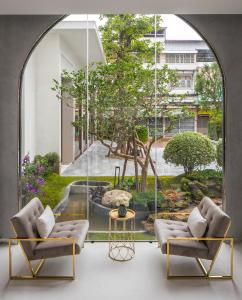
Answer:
x=121 y=235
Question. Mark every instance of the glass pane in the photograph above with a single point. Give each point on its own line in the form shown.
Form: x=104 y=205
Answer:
x=115 y=103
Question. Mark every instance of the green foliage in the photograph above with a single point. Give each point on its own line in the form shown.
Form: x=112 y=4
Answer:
x=197 y=194
x=128 y=183
x=122 y=37
x=190 y=150
x=142 y=133
x=32 y=178
x=54 y=187
x=185 y=184
x=50 y=161
x=121 y=91
x=34 y=174
x=209 y=86
x=219 y=152
x=215 y=128
x=144 y=198
x=203 y=175
x=208 y=182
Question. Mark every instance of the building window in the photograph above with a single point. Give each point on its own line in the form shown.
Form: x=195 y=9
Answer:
x=179 y=58
x=185 y=82
x=205 y=55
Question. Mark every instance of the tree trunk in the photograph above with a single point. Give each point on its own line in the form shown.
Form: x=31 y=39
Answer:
x=109 y=151
x=144 y=174
x=136 y=164
x=158 y=182
x=159 y=186
x=125 y=162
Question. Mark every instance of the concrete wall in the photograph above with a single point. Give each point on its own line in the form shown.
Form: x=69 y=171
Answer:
x=17 y=36
x=223 y=32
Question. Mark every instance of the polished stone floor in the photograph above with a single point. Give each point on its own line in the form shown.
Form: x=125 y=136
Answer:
x=95 y=163
x=143 y=278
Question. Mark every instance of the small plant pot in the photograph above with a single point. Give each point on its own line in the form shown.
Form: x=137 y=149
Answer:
x=122 y=211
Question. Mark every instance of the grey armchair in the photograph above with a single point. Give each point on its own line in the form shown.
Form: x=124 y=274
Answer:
x=66 y=239
x=175 y=238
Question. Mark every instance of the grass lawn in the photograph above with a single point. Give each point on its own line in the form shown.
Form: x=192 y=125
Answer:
x=102 y=236
x=55 y=185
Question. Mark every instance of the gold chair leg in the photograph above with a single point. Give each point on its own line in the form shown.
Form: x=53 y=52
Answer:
x=206 y=273
x=35 y=273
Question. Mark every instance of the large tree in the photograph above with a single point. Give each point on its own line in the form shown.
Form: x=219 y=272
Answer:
x=209 y=87
x=122 y=94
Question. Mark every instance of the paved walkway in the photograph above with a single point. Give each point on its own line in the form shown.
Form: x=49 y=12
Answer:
x=95 y=163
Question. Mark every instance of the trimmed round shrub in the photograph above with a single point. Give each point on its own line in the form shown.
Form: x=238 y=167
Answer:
x=142 y=133
x=190 y=150
x=219 y=152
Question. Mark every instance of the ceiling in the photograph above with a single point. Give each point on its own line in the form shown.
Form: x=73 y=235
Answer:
x=121 y=6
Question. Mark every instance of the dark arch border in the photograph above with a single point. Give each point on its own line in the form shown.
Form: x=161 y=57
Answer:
x=36 y=43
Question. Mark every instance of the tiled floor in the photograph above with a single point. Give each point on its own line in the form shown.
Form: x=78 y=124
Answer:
x=143 y=278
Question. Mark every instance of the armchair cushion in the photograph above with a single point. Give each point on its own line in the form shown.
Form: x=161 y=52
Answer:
x=196 y=223
x=166 y=229
x=70 y=229
x=46 y=222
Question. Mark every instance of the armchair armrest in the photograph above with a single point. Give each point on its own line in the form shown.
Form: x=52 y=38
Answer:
x=68 y=215
x=201 y=239
x=42 y=239
x=174 y=213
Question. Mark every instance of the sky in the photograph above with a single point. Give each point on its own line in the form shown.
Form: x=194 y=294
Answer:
x=177 y=29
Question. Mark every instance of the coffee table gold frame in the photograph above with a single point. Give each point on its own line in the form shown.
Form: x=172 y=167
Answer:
x=121 y=240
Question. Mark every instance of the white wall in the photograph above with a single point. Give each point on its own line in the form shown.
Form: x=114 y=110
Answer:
x=69 y=62
x=41 y=110
x=28 y=109
x=48 y=106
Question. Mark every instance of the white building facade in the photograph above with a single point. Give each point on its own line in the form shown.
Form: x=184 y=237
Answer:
x=186 y=57
x=46 y=122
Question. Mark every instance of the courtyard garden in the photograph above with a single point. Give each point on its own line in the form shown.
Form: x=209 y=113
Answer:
x=120 y=105
x=179 y=194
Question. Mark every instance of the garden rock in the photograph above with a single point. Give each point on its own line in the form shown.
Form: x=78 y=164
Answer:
x=116 y=197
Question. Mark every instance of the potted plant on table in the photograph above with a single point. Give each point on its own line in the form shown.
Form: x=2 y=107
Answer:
x=122 y=203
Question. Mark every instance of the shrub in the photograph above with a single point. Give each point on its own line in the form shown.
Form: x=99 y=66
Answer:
x=127 y=184
x=145 y=198
x=185 y=184
x=142 y=133
x=53 y=161
x=219 y=152
x=32 y=178
x=197 y=195
x=190 y=150
x=50 y=161
x=171 y=196
x=203 y=175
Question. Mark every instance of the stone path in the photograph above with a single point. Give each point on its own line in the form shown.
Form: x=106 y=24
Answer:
x=95 y=163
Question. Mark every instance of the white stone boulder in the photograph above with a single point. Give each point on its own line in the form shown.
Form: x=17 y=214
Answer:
x=116 y=198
